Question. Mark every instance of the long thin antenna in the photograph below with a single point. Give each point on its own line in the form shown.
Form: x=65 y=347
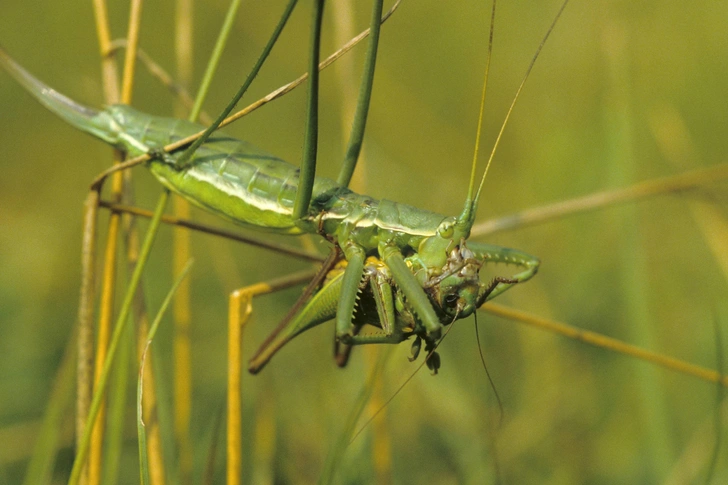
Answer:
x=515 y=98
x=482 y=105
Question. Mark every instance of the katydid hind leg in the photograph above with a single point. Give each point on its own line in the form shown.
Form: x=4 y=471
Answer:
x=353 y=275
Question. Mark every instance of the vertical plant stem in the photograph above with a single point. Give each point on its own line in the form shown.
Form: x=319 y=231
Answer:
x=141 y=427
x=85 y=318
x=132 y=45
x=310 y=147
x=110 y=85
x=181 y=254
x=104 y=329
x=215 y=58
x=83 y=448
x=110 y=264
x=365 y=95
x=109 y=74
x=653 y=412
x=239 y=313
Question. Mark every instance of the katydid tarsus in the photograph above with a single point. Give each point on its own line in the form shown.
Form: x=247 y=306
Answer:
x=538 y=250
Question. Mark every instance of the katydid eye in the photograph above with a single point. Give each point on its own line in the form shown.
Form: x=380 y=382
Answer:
x=451 y=299
x=446 y=230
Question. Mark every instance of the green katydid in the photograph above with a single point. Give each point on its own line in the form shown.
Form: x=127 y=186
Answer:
x=428 y=276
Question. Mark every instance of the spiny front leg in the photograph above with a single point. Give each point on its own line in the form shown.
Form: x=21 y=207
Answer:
x=458 y=291
x=375 y=305
x=353 y=275
x=489 y=253
x=412 y=289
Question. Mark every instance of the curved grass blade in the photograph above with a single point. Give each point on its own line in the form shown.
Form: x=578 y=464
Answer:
x=121 y=322
x=141 y=431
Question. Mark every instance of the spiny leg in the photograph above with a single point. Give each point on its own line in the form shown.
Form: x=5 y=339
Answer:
x=376 y=280
x=353 y=275
x=412 y=289
x=489 y=253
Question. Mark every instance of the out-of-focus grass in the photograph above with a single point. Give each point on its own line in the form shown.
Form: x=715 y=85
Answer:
x=624 y=91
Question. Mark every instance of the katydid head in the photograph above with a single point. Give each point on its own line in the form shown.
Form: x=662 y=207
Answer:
x=456 y=290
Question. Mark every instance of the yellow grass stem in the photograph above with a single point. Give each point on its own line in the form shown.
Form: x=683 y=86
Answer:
x=108 y=288
x=111 y=95
x=84 y=372
x=608 y=343
x=239 y=315
x=127 y=84
x=180 y=255
x=109 y=74
x=240 y=309
x=667 y=185
x=104 y=332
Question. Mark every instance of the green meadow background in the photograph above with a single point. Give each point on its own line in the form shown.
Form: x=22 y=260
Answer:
x=624 y=91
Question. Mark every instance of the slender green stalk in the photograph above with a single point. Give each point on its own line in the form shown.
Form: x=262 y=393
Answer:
x=310 y=144
x=141 y=431
x=183 y=161
x=365 y=95
x=215 y=57
x=121 y=322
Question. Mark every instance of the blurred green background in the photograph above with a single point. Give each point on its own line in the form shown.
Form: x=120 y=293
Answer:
x=624 y=91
